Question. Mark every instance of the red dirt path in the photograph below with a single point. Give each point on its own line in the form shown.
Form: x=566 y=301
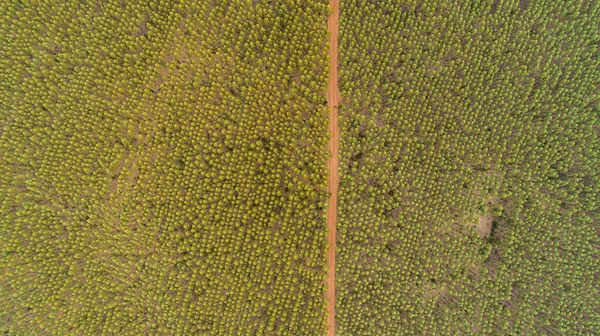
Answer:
x=333 y=98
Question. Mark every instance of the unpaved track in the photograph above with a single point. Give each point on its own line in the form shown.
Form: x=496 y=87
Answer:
x=333 y=98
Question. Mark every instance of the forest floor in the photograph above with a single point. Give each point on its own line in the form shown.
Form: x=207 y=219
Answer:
x=333 y=98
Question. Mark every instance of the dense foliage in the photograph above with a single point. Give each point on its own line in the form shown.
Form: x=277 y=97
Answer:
x=162 y=167
x=469 y=168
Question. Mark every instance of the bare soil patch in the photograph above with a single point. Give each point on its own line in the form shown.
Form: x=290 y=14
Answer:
x=484 y=225
x=484 y=221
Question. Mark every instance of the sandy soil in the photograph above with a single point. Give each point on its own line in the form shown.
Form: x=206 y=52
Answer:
x=333 y=98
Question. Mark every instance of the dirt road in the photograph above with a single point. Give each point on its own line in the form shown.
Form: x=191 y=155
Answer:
x=333 y=98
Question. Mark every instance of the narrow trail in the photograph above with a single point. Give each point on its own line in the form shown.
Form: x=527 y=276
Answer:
x=333 y=99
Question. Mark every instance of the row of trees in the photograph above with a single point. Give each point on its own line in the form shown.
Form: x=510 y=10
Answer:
x=162 y=167
x=469 y=157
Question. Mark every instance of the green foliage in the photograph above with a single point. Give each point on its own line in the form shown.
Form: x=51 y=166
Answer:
x=162 y=167
x=469 y=168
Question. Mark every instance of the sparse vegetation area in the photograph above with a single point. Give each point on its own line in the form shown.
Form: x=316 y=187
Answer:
x=162 y=167
x=469 y=171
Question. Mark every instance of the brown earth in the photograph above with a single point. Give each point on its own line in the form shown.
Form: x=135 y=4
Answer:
x=333 y=98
